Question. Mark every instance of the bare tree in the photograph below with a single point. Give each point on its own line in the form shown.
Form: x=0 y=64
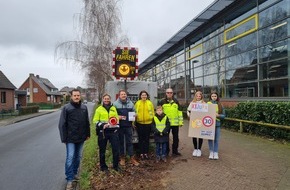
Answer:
x=99 y=27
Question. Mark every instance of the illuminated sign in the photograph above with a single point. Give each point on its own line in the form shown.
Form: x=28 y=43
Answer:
x=125 y=63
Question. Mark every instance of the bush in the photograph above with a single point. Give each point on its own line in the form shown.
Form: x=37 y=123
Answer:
x=45 y=105
x=261 y=111
x=28 y=110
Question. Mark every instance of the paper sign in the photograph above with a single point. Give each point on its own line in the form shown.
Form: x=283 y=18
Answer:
x=202 y=121
x=131 y=116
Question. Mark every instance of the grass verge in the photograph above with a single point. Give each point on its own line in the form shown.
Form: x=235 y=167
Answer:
x=90 y=158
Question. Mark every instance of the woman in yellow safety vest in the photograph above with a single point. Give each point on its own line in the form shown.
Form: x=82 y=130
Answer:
x=106 y=119
x=145 y=112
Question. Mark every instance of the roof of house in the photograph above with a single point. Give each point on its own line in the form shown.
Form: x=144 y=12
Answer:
x=46 y=85
x=67 y=89
x=5 y=82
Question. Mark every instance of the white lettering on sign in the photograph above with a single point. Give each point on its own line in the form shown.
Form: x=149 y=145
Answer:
x=199 y=107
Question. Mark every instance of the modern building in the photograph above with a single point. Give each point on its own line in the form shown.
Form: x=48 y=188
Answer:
x=239 y=48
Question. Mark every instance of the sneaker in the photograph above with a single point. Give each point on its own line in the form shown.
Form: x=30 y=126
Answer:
x=157 y=159
x=194 y=152
x=134 y=161
x=146 y=157
x=141 y=156
x=69 y=185
x=176 y=154
x=122 y=161
x=210 y=155
x=198 y=153
x=215 y=156
x=76 y=178
x=164 y=159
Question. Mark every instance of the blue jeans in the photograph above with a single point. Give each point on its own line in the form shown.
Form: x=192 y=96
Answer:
x=73 y=158
x=161 y=149
x=214 y=144
x=125 y=134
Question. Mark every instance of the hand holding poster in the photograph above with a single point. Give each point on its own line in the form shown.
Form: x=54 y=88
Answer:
x=202 y=121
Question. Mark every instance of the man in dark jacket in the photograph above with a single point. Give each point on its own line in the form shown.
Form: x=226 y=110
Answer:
x=74 y=128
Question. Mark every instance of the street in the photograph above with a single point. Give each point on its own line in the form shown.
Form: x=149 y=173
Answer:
x=32 y=155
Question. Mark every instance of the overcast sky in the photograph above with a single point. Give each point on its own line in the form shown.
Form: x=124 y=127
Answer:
x=29 y=31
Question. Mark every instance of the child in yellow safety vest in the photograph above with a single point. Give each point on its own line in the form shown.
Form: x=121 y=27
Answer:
x=161 y=127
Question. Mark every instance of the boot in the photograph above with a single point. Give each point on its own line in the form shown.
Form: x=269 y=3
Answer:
x=134 y=161
x=122 y=161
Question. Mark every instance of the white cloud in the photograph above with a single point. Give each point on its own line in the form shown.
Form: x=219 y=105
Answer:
x=30 y=30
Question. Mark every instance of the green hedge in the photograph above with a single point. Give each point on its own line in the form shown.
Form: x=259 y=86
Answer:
x=44 y=105
x=261 y=111
x=28 y=110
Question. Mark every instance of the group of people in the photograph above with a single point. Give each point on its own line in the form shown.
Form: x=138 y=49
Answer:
x=220 y=114
x=74 y=127
x=141 y=116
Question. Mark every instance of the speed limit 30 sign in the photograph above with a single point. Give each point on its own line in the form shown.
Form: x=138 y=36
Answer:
x=207 y=121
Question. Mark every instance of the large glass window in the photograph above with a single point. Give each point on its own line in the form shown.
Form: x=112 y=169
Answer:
x=195 y=51
x=214 y=67
x=243 y=44
x=198 y=72
x=272 y=51
x=244 y=74
x=273 y=33
x=265 y=3
x=241 y=29
x=274 y=69
x=274 y=88
x=211 y=44
x=212 y=55
x=198 y=83
x=241 y=60
x=196 y=62
x=273 y=14
x=243 y=90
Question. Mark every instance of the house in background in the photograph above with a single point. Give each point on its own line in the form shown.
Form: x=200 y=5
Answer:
x=7 y=90
x=40 y=90
x=65 y=91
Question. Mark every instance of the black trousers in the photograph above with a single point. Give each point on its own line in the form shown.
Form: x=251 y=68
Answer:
x=199 y=145
x=175 y=131
x=113 y=138
x=144 y=135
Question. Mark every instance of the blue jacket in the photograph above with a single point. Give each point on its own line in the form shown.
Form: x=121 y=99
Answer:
x=123 y=109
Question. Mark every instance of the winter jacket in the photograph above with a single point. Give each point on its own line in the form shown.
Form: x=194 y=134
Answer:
x=74 y=125
x=222 y=115
x=161 y=136
x=172 y=109
x=102 y=116
x=191 y=104
x=145 y=111
x=123 y=109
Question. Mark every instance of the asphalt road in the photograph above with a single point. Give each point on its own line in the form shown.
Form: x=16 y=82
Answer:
x=31 y=154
